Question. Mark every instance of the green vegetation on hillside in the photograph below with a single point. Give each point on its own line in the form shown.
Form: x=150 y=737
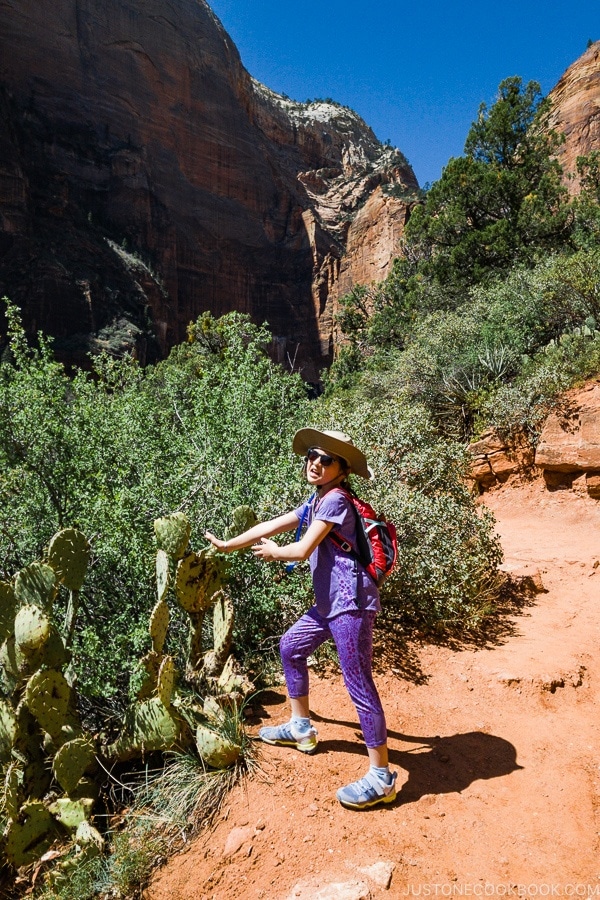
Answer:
x=494 y=307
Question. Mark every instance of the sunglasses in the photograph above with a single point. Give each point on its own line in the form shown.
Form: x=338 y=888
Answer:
x=313 y=456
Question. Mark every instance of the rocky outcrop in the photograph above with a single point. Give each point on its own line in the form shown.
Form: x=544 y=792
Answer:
x=494 y=459
x=576 y=110
x=568 y=451
x=146 y=177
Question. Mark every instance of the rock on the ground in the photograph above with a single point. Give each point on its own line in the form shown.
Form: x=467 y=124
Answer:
x=336 y=890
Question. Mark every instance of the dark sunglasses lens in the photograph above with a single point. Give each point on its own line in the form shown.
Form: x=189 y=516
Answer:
x=312 y=456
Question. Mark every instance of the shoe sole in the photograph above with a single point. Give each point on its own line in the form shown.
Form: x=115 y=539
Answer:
x=389 y=798
x=307 y=750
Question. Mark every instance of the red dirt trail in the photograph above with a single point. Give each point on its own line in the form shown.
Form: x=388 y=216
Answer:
x=496 y=749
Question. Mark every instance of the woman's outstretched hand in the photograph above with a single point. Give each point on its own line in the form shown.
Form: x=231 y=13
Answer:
x=265 y=549
x=216 y=542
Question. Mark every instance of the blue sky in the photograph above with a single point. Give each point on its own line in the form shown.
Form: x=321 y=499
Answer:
x=416 y=72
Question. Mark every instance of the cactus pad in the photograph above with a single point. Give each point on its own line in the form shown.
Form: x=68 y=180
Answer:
x=87 y=835
x=232 y=682
x=71 y=813
x=32 y=629
x=69 y=556
x=36 y=584
x=217 y=751
x=53 y=654
x=8 y=731
x=47 y=696
x=223 y=621
x=166 y=680
x=159 y=624
x=13 y=789
x=8 y=608
x=29 y=836
x=198 y=577
x=173 y=534
x=72 y=761
x=242 y=518
x=162 y=573
x=148 y=726
x=151 y=663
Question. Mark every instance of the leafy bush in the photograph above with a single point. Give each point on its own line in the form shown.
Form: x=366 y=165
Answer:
x=205 y=431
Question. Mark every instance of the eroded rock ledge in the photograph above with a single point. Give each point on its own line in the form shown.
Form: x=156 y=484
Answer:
x=567 y=454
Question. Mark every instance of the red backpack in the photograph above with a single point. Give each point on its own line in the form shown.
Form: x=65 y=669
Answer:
x=376 y=538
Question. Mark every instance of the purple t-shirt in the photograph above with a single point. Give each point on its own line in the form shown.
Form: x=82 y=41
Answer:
x=340 y=582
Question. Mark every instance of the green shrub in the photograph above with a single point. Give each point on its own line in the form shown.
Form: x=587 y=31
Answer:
x=205 y=431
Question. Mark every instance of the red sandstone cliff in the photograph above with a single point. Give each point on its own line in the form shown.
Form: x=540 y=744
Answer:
x=576 y=110
x=146 y=177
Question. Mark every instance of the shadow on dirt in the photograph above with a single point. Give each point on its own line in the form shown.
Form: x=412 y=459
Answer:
x=438 y=765
x=397 y=643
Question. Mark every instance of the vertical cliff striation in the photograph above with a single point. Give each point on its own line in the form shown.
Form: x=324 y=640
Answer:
x=576 y=110
x=146 y=177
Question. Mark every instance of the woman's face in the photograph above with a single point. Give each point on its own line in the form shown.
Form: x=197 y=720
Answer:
x=319 y=470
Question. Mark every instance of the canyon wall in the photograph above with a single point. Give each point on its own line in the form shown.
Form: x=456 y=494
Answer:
x=145 y=177
x=576 y=111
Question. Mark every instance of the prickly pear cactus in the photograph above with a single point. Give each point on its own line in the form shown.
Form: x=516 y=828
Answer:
x=87 y=836
x=242 y=518
x=162 y=574
x=13 y=789
x=8 y=609
x=32 y=629
x=217 y=751
x=232 y=683
x=71 y=813
x=151 y=663
x=159 y=624
x=29 y=835
x=223 y=622
x=173 y=534
x=47 y=696
x=8 y=731
x=69 y=556
x=72 y=761
x=148 y=726
x=198 y=577
x=166 y=680
x=36 y=584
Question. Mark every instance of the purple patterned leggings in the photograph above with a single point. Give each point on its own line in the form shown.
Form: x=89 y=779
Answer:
x=352 y=633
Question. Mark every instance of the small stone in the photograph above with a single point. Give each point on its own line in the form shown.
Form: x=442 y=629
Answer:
x=380 y=873
x=236 y=838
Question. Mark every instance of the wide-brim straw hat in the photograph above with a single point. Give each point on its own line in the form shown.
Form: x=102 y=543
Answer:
x=335 y=442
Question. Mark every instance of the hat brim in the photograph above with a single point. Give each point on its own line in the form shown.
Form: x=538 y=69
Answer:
x=311 y=437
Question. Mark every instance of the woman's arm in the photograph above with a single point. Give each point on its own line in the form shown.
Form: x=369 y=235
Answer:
x=315 y=533
x=287 y=522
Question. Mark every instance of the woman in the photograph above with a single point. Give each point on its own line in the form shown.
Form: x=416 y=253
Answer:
x=346 y=603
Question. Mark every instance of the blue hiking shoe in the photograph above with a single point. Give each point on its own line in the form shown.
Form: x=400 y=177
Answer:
x=286 y=736
x=368 y=791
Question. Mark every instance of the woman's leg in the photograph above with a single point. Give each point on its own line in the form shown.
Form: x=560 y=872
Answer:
x=296 y=645
x=353 y=636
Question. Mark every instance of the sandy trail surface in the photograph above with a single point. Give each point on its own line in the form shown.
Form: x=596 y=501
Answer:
x=496 y=748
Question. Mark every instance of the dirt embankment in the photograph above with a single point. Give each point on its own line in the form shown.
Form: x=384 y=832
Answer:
x=496 y=747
